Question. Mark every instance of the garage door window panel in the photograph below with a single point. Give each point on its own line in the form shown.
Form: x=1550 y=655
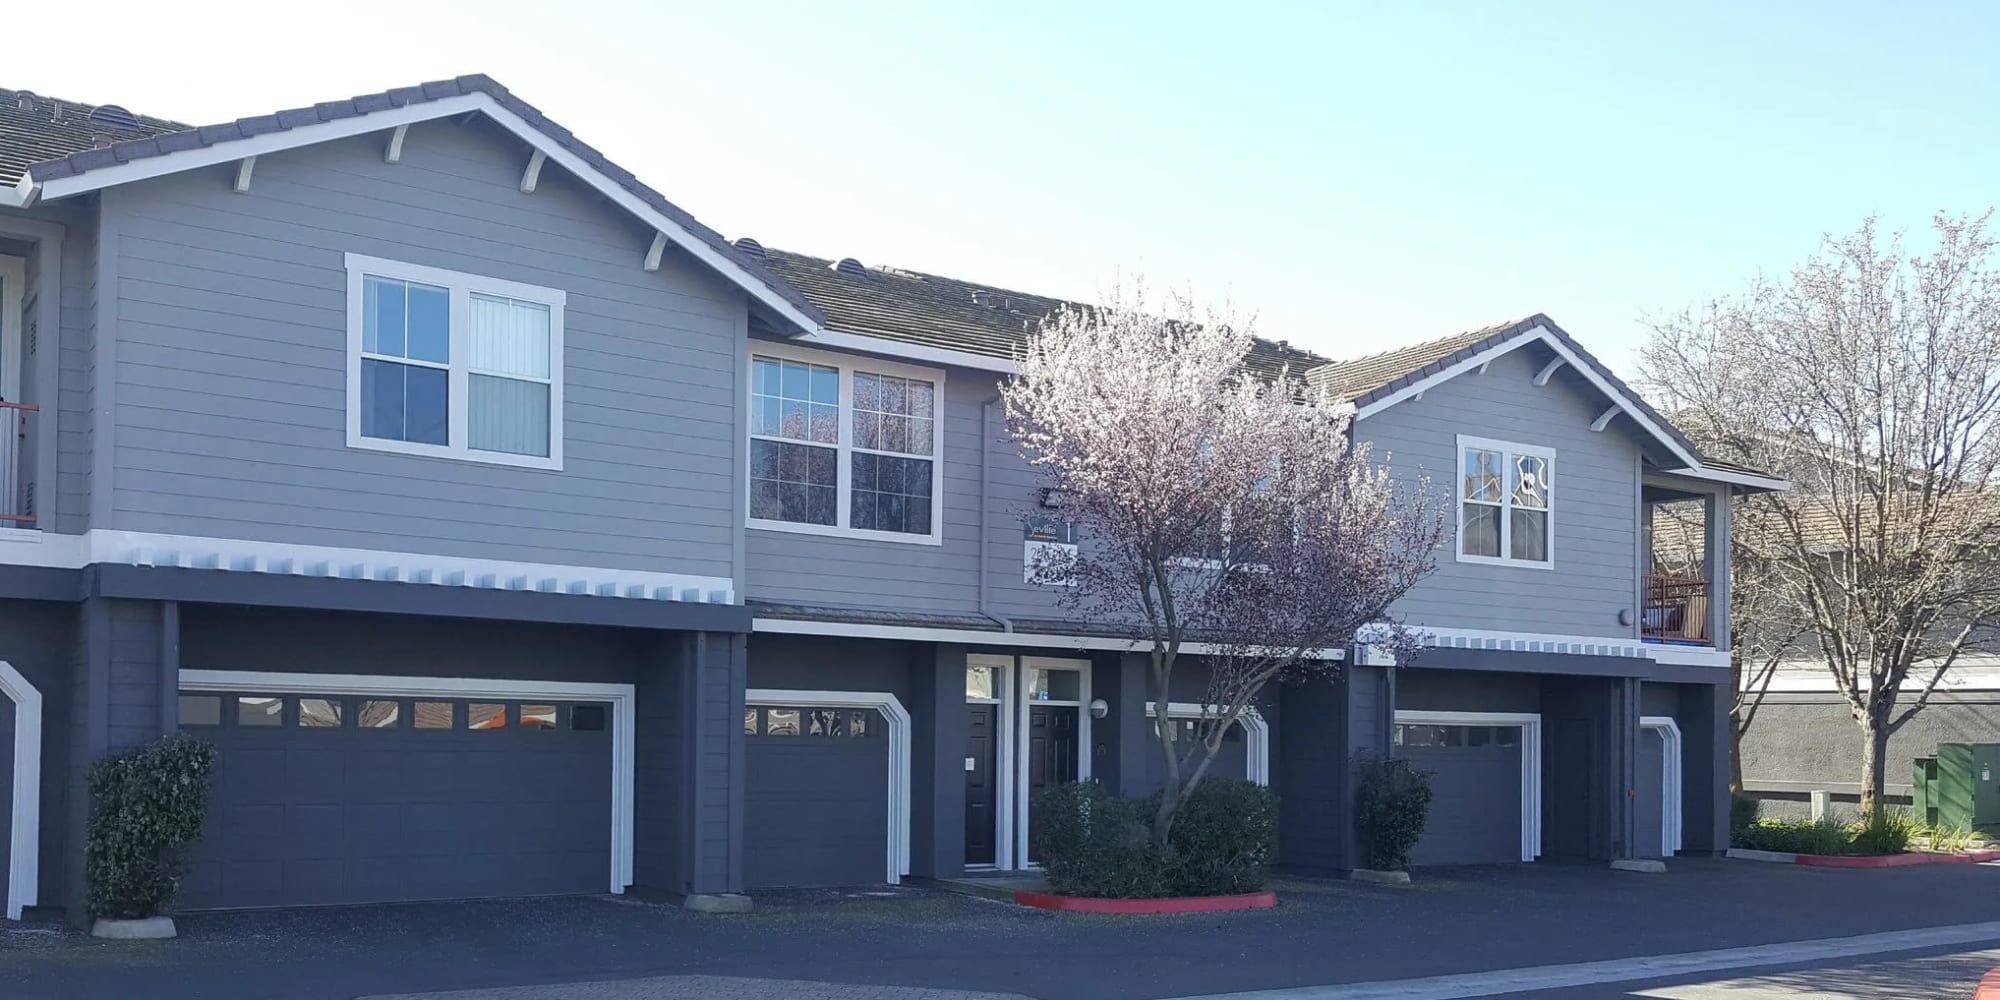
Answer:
x=260 y=711
x=200 y=710
x=320 y=713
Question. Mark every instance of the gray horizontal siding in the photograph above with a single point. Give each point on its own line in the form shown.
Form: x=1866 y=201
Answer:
x=231 y=362
x=63 y=333
x=1596 y=496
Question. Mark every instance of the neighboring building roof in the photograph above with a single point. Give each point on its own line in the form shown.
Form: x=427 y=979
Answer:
x=31 y=138
x=1363 y=377
x=36 y=129
x=912 y=307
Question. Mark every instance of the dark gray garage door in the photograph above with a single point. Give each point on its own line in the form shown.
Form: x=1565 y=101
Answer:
x=816 y=796
x=1232 y=761
x=1476 y=792
x=1649 y=806
x=349 y=799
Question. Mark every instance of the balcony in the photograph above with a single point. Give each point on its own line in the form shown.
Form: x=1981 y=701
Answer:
x=17 y=484
x=1676 y=610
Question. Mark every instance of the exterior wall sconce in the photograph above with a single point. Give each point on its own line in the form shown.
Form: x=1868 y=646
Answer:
x=1053 y=498
x=1099 y=708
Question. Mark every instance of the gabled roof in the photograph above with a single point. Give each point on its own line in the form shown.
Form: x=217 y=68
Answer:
x=1376 y=373
x=35 y=129
x=951 y=314
x=79 y=165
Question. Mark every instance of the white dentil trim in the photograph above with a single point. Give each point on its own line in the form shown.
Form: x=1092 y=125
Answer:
x=1670 y=780
x=1540 y=642
x=387 y=120
x=980 y=637
x=1531 y=761
x=24 y=864
x=619 y=695
x=19 y=547
x=1257 y=735
x=899 y=755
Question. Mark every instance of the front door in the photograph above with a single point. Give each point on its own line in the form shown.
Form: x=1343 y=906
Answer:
x=982 y=789
x=1052 y=754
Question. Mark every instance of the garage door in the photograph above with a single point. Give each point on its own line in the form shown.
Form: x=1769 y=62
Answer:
x=332 y=799
x=1475 y=813
x=816 y=796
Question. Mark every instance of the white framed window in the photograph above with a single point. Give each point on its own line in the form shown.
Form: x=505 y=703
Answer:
x=1506 y=503
x=844 y=445
x=453 y=365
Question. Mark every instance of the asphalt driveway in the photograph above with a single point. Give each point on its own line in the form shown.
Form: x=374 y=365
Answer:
x=1451 y=921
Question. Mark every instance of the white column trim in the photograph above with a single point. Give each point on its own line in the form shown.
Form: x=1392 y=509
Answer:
x=1531 y=761
x=620 y=696
x=1670 y=780
x=1257 y=748
x=1003 y=756
x=25 y=825
x=899 y=755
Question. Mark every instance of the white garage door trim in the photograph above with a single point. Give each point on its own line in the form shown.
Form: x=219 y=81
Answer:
x=619 y=695
x=1531 y=761
x=1670 y=781
x=24 y=832
x=1257 y=752
x=899 y=755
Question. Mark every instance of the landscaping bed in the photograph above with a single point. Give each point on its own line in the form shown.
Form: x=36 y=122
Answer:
x=1159 y=905
x=1884 y=840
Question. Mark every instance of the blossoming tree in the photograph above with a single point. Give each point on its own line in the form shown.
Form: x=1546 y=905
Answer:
x=1223 y=513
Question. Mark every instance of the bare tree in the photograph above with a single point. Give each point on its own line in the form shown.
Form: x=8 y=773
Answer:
x=1871 y=380
x=1222 y=514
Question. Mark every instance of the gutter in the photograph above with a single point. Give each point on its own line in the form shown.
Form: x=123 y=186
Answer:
x=21 y=195
x=985 y=480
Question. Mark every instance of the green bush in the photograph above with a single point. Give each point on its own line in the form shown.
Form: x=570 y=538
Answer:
x=1949 y=839
x=1392 y=803
x=145 y=806
x=1095 y=843
x=1796 y=836
x=1743 y=810
x=1223 y=840
x=1885 y=831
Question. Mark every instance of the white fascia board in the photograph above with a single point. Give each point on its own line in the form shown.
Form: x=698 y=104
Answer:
x=380 y=121
x=980 y=637
x=1734 y=478
x=1542 y=334
x=913 y=352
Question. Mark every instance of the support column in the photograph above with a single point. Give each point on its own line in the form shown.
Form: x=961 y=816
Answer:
x=117 y=703
x=1706 y=744
x=713 y=674
x=937 y=768
x=1623 y=747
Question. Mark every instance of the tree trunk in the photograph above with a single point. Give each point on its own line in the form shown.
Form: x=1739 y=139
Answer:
x=1874 y=751
x=1735 y=756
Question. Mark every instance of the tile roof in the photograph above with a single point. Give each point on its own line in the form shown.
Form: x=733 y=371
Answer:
x=49 y=149
x=935 y=311
x=1372 y=375
x=34 y=129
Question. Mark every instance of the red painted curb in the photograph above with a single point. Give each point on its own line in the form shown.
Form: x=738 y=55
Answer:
x=1178 y=904
x=1896 y=860
x=1989 y=987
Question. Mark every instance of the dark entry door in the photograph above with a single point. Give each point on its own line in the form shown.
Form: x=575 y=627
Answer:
x=981 y=784
x=1051 y=754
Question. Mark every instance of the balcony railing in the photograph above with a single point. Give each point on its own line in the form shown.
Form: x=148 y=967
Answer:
x=17 y=491
x=1676 y=609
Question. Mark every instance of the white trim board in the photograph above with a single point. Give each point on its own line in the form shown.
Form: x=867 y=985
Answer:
x=1256 y=736
x=1670 y=780
x=390 y=119
x=899 y=755
x=1531 y=761
x=24 y=863
x=1541 y=642
x=979 y=637
x=29 y=547
x=13 y=276
x=1023 y=707
x=623 y=719
x=1510 y=452
x=1003 y=755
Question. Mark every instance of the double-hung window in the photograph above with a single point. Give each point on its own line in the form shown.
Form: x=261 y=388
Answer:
x=1505 y=503
x=453 y=365
x=844 y=446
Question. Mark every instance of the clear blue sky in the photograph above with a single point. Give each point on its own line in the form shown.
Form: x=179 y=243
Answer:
x=1357 y=176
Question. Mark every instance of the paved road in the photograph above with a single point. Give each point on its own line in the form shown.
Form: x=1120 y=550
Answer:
x=1949 y=975
x=1451 y=922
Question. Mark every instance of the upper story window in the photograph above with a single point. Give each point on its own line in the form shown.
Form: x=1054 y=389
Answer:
x=1505 y=503
x=453 y=365
x=844 y=446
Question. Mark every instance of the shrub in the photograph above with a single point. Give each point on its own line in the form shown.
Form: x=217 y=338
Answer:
x=1824 y=836
x=145 y=805
x=1885 y=831
x=1095 y=843
x=1392 y=803
x=1949 y=839
x=1223 y=840
x=1743 y=810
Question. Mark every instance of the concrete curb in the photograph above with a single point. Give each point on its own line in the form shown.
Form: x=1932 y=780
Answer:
x=720 y=902
x=1772 y=857
x=143 y=929
x=1649 y=866
x=1375 y=877
x=1862 y=860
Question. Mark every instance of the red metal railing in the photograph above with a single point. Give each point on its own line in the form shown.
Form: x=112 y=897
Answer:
x=17 y=495
x=1676 y=609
